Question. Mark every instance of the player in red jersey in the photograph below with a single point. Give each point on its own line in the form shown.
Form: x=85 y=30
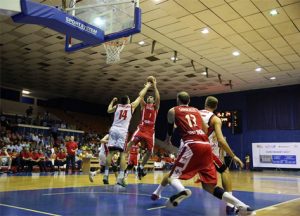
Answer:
x=194 y=157
x=133 y=158
x=145 y=133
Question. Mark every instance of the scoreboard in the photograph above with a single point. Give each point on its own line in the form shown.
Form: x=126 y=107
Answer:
x=232 y=120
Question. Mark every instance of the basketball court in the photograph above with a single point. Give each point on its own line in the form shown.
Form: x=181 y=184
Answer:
x=271 y=193
x=95 y=49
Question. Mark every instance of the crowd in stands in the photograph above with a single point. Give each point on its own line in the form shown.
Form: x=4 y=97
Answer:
x=23 y=151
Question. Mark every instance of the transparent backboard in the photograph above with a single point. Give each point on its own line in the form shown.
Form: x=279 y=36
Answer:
x=109 y=15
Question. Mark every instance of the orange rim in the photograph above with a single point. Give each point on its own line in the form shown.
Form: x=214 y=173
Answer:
x=118 y=42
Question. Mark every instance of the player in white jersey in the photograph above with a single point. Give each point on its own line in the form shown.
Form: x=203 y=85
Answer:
x=217 y=139
x=119 y=129
x=103 y=152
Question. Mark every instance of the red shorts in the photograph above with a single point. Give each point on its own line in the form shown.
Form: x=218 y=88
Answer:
x=144 y=135
x=195 y=158
x=133 y=160
x=217 y=161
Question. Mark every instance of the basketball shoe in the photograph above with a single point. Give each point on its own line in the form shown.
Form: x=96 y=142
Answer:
x=176 y=199
x=245 y=210
x=105 y=179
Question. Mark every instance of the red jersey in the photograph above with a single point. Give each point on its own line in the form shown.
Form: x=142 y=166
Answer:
x=35 y=156
x=134 y=150
x=71 y=145
x=149 y=114
x=25 y=154
x=61 y=155
x=189 y=123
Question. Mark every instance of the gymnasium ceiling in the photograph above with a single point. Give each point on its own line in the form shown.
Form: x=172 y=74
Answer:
x=33 y=57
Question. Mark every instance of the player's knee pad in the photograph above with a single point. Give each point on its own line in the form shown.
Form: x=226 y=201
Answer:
x=218 y=192
x=221 y=169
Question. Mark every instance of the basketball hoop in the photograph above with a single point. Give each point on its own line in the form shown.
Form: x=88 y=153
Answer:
x=113 y=50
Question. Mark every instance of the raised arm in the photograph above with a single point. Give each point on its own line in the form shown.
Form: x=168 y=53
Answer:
x=157 y=95
x=111 y=107
x=141 y=96
x=216 y=121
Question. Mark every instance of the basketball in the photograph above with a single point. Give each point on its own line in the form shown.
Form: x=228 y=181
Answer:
x=151 y=79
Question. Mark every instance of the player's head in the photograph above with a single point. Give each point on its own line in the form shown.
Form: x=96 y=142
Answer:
x=211 y=102
x=150 y=99
x=124 y=100
x=183 y=98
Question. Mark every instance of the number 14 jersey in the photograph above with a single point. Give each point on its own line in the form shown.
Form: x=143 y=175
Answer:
x=123 y=115
x=189 y=123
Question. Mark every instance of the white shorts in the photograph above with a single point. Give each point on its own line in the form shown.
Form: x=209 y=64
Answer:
x=117 y=137
x=102 y=159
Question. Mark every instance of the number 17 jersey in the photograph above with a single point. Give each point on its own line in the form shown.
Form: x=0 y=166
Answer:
x=123 y=115
x=189 y=124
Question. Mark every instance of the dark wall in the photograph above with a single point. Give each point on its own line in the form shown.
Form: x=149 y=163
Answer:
x=77 y=106
x=268 y=115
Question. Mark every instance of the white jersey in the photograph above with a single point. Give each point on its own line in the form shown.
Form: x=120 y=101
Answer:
x=207 y=116
x=123 y=115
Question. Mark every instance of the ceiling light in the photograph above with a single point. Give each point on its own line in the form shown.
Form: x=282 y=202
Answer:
x=26 y=92
x=273 y=12
x=258 y=69
x=99 y=22
x=236 y=53
x=205 y=31
x=272 y=78
x=141 y=43
x=204 y=73
x=173 y=58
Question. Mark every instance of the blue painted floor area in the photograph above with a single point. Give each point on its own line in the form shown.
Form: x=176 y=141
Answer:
x=114 y=200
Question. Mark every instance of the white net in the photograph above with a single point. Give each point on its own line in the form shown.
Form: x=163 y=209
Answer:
x=113 y=50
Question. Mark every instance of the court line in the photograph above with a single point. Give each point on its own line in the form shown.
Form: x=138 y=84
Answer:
x=278 y=204
x=159 y=207
x=53 y=194
x=27 y=209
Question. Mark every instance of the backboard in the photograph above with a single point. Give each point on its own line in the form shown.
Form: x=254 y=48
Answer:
x=117 y=18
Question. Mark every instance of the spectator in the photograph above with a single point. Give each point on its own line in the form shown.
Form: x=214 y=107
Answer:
x=5 y=159
x=29 y=111
x=60 y=159
x=25 y=159
x=71 y=151
x=36 y=160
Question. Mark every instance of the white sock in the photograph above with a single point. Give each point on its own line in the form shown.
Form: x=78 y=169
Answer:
x=106 y=171
x=177 y=185
x=227 y=197
x=159 y=189
x=229 y=204
x=121 y=175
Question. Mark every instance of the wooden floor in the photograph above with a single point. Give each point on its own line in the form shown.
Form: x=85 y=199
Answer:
x=273 y=182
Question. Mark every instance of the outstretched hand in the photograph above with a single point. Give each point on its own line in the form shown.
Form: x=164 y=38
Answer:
x=238 y=161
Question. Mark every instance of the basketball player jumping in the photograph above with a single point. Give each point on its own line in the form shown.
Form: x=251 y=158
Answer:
x=195 y=156
x=119 y=129
x=146 y=129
